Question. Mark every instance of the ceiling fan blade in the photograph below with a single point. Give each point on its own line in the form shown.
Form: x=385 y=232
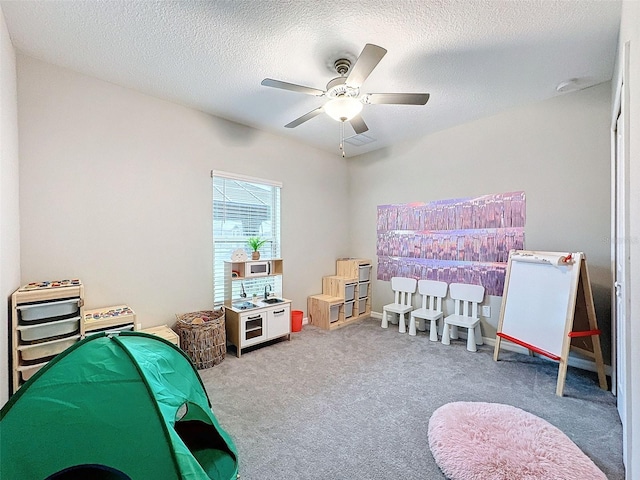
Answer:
x=269 y=82
x=358 y=124
x=305 y=117
x=397 y=98
x=366 y=62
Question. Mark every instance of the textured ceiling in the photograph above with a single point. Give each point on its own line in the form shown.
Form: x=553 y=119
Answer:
x=475 y=57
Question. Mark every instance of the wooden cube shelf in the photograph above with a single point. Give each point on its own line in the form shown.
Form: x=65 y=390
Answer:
x=342 y=287
x=349 y=292
x=323 y=310
x=358 y=268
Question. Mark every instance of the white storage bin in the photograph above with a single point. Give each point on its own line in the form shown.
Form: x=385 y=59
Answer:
x=348 y=309
x=125 y=327
x=362 y=306
x=49 y=329
x=349 y=292
x=48 y=349
x=363 y=290
x=334 y=311
x=364 y=272
x=41 y=311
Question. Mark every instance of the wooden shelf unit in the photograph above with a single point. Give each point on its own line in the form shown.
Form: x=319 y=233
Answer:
x=237 y=272
x=349 y=292
x=44 y=322
x=119 y=317
x=354 y=267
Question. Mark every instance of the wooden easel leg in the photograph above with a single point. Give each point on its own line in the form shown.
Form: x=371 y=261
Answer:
x=496 y=349
x=593 y=325
x=602 y=376
x=562 y=376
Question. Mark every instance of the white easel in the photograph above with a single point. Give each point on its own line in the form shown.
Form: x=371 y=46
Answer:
x=547 y=307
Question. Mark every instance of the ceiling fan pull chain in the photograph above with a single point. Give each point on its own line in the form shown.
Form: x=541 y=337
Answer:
x=342 y=138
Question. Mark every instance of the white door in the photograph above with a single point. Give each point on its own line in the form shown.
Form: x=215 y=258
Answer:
x=620 y=268
x=621 y=260
x=279 y=321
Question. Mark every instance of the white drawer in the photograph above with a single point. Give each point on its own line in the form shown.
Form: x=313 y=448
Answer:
x=348 y=309
x=363 y=289
x=349 y=292
x=364 y=272
x=39 y=312
x=29 y=371
x=48 y=349
x=29 y=333
x=334 y=313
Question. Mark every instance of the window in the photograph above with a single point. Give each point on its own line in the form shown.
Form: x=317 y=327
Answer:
x=244 y=207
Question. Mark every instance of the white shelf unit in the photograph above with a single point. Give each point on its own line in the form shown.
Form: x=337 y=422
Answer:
x=246 y=328
x=258 y=325
x=238 y=278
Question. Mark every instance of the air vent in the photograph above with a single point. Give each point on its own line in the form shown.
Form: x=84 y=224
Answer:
x=359 y=140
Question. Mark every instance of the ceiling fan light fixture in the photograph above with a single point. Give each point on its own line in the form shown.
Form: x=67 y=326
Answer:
x=343 y=109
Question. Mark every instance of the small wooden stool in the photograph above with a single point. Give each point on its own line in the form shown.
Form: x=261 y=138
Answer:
x=165 y=332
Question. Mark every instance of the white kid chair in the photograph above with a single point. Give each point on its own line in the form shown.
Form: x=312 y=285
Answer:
x=466 y=299
x=432 y=292
x=403 y=289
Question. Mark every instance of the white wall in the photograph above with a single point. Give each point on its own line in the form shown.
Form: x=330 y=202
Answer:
x=630 y=32
x=9 y=212
x=115 y=189
x=556 y=151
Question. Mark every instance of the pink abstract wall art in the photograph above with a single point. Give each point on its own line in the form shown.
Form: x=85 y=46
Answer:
x=460 y=240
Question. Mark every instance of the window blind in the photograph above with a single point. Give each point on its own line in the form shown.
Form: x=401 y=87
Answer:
x=244 y=207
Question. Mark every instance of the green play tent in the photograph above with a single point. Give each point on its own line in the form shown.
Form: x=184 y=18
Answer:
x=115 y=406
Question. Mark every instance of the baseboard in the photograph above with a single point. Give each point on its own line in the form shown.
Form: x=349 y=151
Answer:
x=581 y=363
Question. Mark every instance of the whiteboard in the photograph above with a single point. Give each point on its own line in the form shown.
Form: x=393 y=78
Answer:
x=538 y=302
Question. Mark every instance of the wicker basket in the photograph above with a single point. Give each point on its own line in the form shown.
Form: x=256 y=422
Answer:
x=203 y=337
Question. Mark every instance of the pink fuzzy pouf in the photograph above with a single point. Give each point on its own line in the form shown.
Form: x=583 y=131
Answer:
x=491 y=441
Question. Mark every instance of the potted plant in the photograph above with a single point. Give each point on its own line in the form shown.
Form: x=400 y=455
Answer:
x=255 y=243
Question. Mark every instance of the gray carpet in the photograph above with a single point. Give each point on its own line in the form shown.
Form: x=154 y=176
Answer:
x=355 y=403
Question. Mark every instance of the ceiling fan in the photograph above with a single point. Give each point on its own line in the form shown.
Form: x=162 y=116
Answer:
x=346 y=102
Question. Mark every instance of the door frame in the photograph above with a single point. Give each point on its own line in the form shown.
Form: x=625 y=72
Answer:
x=621 y=359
